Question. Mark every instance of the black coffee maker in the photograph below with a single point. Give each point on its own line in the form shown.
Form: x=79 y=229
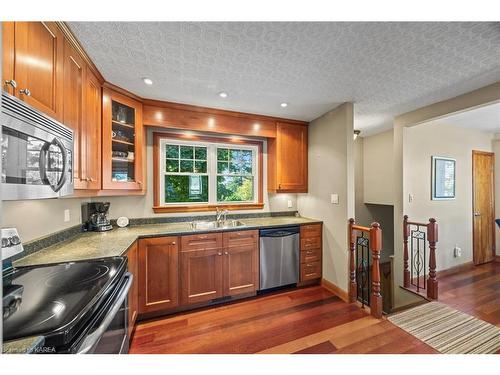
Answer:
x=94 y=217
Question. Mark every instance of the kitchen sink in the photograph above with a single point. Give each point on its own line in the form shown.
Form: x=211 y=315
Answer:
x=207 y=225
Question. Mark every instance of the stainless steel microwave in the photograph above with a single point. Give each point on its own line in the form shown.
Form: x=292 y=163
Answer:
x=37 y=153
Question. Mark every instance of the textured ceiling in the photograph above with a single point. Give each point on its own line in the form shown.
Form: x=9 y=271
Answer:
x=485 y=118
x=385 y=68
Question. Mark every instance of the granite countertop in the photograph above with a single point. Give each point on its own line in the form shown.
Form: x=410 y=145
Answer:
x=92 y=245
x=23 y=346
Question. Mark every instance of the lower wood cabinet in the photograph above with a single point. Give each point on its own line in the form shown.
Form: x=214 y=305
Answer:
x=158 y=274
x=241 y=262
x=133 y=303
x=201 y=275
x=311 y=249
x=219 y=265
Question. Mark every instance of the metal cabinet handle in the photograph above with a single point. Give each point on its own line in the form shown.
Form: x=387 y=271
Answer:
x=11 y=82
x=226 y=253
x=309 y=252
x=173 y=243
x=139 y=182
x=26 y=92
x=219 y=254
x=477 y=214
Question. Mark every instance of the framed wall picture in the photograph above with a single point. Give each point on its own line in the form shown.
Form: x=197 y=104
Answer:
x=443 y=178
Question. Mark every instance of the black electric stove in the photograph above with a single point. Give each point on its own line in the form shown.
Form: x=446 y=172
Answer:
x=63 y=302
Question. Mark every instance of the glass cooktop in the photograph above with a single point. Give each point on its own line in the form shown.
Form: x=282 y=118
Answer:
x=56 y=299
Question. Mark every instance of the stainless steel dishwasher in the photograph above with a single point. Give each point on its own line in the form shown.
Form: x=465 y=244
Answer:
x=279 y=257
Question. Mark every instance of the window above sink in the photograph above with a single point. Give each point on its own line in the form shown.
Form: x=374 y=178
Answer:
x=199 y=173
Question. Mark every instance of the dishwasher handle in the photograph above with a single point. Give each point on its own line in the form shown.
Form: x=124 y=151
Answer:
x=279 y=232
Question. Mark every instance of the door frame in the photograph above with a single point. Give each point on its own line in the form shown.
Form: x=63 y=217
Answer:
x=493 y=249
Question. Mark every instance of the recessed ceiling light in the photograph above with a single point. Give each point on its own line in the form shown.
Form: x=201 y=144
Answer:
x=284 y=104
x=148 y=81
x=223 y=94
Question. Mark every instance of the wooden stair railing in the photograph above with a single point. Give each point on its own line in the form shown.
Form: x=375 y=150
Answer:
x=359 y=267
x=417 y=233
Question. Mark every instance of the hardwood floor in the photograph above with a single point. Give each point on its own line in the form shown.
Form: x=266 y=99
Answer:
x=475 y=292
x=304 y=321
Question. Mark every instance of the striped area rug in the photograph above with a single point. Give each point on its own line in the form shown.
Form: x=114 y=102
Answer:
x=448 y=330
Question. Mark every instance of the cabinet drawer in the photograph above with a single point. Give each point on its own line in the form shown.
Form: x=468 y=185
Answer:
x=310 y=243
x=310 y=271
x=310 y=230
x=308 y=256
x=240 y=238
x=201 y=241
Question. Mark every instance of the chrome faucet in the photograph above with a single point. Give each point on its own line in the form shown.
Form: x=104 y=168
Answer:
x=220 y=213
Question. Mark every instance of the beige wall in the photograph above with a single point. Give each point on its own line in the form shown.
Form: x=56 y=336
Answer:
x=366 y=214
x=454 y=216
x=378 y=168
x=331 y=170
x=37 y=218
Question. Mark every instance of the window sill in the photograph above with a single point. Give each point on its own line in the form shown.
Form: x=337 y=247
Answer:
x=209 y=207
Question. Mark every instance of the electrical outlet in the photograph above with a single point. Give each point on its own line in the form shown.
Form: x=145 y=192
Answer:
x=67 y=216
x=457 y=252
x=334 y=199
x=290 y=204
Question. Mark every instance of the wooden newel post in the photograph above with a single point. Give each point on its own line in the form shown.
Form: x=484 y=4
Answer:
x=376 y=248
x=406 y=234
x=353 y=286
x=432 y=237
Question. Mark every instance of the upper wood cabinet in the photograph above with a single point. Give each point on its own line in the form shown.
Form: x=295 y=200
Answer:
x=74 y=71
x=122 y=142
x=287 y=159
x=158 y=274
x=33 y=54
x=92 y=104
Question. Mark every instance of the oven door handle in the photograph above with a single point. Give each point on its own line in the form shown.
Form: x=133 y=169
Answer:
x=95 y=336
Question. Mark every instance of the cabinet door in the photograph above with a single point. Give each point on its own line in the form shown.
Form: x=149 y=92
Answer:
x=201 y=275
x=38 y=66
x=92 y=129
x=158 y=274
x=8 y=57
x=291 y=152
x=72 y=111
x=133 y=295
x=241 y=271
x=122 y=142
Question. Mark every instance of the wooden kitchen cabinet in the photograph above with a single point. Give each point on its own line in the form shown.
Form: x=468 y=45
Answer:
x=311 y=252
x=33 y=54
x=158 y=274
x=122 y=142
x=74 y=70
x=287 y=159
x=240 y=262
x=201 y=268
x=133 y=294
x=92 y=105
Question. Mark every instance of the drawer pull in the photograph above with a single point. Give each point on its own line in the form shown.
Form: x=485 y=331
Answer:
x=226 y=253
x=309 y=252
x=173 y=243
x=203 y=237
x=219 y=254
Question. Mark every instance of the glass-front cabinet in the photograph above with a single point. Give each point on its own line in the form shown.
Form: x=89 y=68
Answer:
x=123 y=142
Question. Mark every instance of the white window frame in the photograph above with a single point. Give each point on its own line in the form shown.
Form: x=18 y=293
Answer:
x=211 y=170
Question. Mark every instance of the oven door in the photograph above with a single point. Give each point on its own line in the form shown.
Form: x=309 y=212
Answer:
x=108 y=335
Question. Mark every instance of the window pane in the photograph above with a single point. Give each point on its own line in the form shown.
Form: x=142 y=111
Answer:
x=200 y=153
x=180 y=189
x=172 y=165
x=234 y=189
x=187 y=166
x=172 y=152
x=200 y=166
x=222 y=167
x=222 y=154
x=187 y=152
